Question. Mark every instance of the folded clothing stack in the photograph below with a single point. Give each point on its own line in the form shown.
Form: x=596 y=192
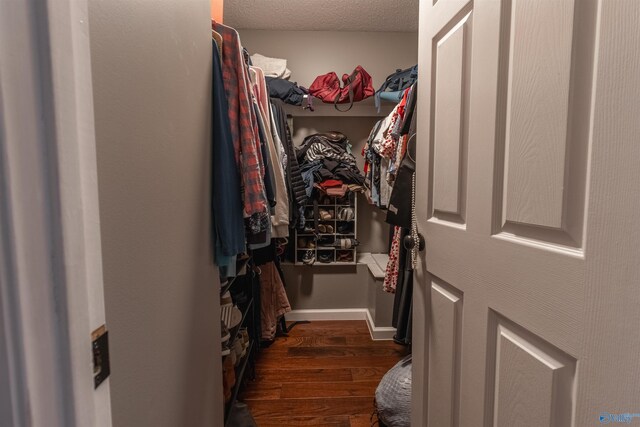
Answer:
x=327 y=164
x=272 y=67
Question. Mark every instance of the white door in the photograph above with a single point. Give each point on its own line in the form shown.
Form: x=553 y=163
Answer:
x=51 y=289
x=527 y=297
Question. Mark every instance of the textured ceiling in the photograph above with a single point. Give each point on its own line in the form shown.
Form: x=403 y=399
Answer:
x=330 y=15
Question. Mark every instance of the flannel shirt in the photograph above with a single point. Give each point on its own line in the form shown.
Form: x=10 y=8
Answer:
x=244 y=130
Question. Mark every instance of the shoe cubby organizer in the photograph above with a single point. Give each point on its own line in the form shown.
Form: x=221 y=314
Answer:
x=330 y=233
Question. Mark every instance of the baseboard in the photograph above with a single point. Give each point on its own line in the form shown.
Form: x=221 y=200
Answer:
x=329 y=314
x=377 y=333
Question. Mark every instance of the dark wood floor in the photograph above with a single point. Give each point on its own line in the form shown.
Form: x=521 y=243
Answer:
x=323 y=374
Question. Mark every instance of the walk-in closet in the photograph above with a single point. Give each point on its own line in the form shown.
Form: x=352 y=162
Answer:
x=337 y=213
x=332 y=279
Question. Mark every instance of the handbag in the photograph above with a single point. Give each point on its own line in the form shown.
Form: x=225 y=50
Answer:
x=357 y=86
x=395 y=84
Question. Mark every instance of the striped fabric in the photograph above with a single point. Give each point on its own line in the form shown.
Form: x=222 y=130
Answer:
x=321 y=151
x=230 y=315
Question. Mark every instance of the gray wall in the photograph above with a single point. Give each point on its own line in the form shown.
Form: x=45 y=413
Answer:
x=152 y=87
x=326 y=287
x=310 y=53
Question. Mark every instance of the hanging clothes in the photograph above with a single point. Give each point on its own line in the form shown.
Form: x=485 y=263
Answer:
x=400 y=215
x=393 y=265
x=399 y=210
x=378 y=189
x=280 y=214
x=403 y=300
x=226 y=203
x=295 y=183
x=256 y=176
x=273 y=300
x=218 y=39
x=244 y=130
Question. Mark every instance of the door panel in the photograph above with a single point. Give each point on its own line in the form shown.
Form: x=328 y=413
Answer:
x=544 y=78
x=444 y=366
x=540 y=40
x=505 y=161
x=451 y=60
x=530 y=381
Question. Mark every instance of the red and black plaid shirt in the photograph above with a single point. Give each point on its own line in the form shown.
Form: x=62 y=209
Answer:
x=244 y=131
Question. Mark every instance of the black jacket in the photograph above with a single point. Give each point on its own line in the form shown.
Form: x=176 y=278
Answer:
x=295 y=184
x=285 y=90
x=399 y=209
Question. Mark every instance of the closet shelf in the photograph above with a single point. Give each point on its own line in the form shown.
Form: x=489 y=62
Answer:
x=324 y=264
x=329 y=206
x=364 y=108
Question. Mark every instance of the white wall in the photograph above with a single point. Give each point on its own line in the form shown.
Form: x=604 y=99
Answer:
x=152 y=88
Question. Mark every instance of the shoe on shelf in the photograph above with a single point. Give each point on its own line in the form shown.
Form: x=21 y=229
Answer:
x=225 y=349
x=245 y=337
x=326 y=215
x=308 y=230
x=232 y=356
x=309 y=257
x=225 y=299
x=329 y=229
x=231 y=316
x=326 y=241
x=345 y=256
x=325 y=257
x=224 y=332
x=345 y=228
x=346 y=243
x=322 y=228
x=307 y=243
x=346 y=214
x=239 y=350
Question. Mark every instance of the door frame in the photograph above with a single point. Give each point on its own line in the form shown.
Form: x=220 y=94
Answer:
x=51 y=284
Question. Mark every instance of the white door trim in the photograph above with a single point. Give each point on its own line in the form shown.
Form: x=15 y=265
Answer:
x=51 y=294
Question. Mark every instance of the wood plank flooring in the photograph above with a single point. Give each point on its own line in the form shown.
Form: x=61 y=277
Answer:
x=322 y=374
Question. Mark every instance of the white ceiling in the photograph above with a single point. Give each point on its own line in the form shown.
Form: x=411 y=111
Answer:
x=330 y=15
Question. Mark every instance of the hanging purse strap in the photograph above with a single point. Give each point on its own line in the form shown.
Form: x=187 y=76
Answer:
x=349 y=82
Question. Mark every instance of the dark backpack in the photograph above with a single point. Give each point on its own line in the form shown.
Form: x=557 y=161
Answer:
x=398 y=81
